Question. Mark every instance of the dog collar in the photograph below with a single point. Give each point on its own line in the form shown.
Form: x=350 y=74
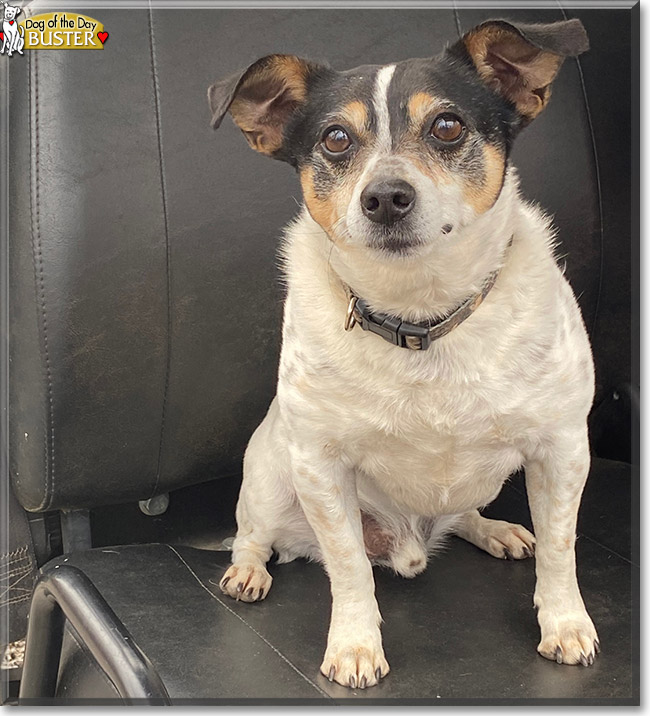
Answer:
x=414 y=336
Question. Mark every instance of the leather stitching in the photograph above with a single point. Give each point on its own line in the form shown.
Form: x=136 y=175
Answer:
x=11 y=592
x=15 y=553
x=163 y=191
x=39 y=279
x=24 y=598
x=241 y=619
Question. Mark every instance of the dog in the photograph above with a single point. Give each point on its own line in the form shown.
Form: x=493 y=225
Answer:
x=13 y=39
x=431 y=345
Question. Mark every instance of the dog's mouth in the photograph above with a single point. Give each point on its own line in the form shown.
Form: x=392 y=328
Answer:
x=395 y=242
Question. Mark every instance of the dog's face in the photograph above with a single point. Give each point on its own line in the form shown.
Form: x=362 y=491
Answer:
x=395 y=157
x=10 y=12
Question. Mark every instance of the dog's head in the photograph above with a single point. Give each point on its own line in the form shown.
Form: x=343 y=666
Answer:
x=394 y=157
x=10 y=12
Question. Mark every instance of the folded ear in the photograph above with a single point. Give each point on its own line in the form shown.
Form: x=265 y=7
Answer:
x=262 y=98
x=521 y=61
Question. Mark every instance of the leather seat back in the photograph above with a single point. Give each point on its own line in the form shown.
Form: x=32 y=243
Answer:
x=146 y=307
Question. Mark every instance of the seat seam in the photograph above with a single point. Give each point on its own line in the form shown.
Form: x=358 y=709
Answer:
x=163 y=192
x=39 y=278
x=598 y=184
x=457 y=20
x=252 y=628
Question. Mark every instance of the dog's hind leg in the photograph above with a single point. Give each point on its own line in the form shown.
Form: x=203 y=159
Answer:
x=264 y=506
x=500 y=539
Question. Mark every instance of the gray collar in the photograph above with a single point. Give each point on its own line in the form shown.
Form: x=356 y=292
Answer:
x=414 y=336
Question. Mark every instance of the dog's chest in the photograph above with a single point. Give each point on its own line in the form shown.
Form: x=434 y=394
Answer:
x=435 y=445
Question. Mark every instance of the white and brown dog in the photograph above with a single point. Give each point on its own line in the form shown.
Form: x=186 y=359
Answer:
x=431 y=345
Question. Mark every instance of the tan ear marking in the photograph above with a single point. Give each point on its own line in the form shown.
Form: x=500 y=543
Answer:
x=262 y=98
x=513 y=66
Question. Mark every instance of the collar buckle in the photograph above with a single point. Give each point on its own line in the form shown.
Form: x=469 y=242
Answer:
x=391 y=328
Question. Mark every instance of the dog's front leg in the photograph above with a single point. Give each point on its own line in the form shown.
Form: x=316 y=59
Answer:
x=326 y=489
x=555 y=478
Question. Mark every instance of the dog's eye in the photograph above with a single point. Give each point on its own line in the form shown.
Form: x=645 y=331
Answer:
x=447 y=128
x=336 y=140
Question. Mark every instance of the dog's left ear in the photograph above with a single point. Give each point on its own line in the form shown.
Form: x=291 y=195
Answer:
x=520 y=61
x=262 y=98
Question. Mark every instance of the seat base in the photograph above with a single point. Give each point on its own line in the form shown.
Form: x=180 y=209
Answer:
x=464 y=631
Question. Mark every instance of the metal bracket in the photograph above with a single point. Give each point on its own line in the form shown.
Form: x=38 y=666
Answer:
x=65 y=592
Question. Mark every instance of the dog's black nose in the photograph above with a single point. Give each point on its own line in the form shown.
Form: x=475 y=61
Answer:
x=386 y=201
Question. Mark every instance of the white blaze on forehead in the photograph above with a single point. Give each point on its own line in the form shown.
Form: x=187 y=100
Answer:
x=380 y=102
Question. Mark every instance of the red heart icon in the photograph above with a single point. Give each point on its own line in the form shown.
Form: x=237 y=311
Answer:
x=103 y=36
x=2 y=37
x=11 y=22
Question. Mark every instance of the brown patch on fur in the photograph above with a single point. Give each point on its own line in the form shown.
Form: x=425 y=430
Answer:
x=355 y=114
x=322 y=211
x=377 y=541
x=419 y=107
x=332 y=448
x=513 y=67
x=415 y=563
x=266 y=98
x=482 y=197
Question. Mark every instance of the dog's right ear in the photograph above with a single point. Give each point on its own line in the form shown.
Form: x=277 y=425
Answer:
x=262 y=98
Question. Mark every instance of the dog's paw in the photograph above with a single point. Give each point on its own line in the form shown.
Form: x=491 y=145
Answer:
x=355 y=666
x=246 y=582
x=507 y=541
x=568 y=638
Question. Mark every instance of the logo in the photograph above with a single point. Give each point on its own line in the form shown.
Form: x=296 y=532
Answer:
x=12 y=35
x=50 y=31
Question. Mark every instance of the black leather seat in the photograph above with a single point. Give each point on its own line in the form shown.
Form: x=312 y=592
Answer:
x=145 y=320
x=463 y=631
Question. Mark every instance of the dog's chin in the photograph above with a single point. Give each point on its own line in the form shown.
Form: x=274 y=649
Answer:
x=396 y=244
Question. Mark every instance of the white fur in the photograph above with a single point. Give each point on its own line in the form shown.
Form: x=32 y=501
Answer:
x=380 y=102
x=422 y=438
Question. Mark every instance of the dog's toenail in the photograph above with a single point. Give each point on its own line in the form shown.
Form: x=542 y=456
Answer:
x=249 y=591
x=591 y=659
x=597 y=646
x=583 y=660
x=225 y=581
x=558 y=655
x=259 y=596
x=507 y=554
x=363 y=683
x=378 y=673
x=240 y=588
x=332 y=673
x=353 y=681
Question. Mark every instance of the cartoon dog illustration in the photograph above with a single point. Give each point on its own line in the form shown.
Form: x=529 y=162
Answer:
x=13 y=35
